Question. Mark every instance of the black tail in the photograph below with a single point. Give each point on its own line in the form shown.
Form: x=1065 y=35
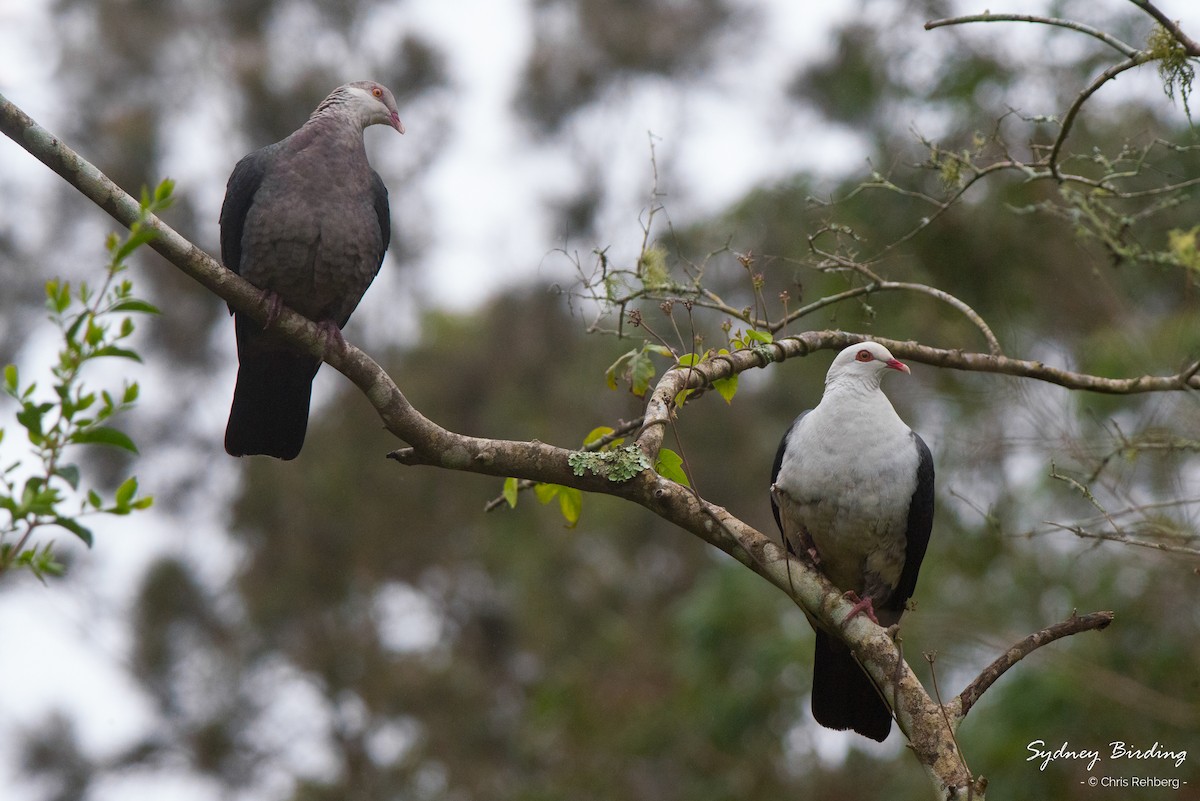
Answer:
x=843 y=697
x=270 y=403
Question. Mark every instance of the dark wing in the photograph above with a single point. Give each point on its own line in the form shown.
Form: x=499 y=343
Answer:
x=920 y=523
x=775 y=473
x=379 y=197
x=239 y=196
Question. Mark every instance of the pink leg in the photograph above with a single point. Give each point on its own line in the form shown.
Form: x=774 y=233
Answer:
x=273 y=303
x=861 y=605
x=332 y=334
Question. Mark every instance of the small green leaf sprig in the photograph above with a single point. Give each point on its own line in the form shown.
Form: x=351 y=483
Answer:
x=95 y=323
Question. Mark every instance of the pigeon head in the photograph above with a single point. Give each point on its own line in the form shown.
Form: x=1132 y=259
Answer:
x=864 y=363
x=370 y=102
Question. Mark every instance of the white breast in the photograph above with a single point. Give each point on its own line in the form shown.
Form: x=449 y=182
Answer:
x=848 y=475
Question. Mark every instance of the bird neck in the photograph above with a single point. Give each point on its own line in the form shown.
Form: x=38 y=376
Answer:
x=865 y=397
x=337 y=114
x=328 y=130
x=851 y=385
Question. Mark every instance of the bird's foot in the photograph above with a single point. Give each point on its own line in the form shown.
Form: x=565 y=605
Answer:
x=332 y=335
x=861 y=605
x=274 y=305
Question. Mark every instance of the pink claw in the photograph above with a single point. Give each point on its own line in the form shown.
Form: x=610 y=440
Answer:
x=861 y=605
x=274 y=305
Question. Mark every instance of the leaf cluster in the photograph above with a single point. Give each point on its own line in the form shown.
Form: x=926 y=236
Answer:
x=94 y=322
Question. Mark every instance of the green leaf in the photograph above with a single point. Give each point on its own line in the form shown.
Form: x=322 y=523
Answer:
x=71 y=334
x=546 y=492
x=37 y=498
x=764 y=337
x=113 y=350
x=162 y=194
x=618 y=368
x=691 y=359
x=58 y=295
x=94 y=499
x=134 y=305
x=73 y=526
x=727 y=387
x=596 y=434
x=125 y=494
x=138 y=236
x=670 y=467
x=103 y=435
x=31 y=416
x=10 y=379
x=570 y=503
x=510 y=492
x=641 y=373
x=69 y=473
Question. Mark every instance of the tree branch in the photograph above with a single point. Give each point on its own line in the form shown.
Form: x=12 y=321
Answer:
x=961 y=705
x=1068 y=122
x=1083 y=533
x=1126 y=50
x=1193 y=48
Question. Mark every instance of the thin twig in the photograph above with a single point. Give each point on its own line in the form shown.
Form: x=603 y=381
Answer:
x=1081 y=532
x=937 y=696
x=1069 y=120
x=1108 y=39
x=1072 y=625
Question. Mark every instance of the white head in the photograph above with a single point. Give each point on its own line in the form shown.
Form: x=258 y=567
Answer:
x=372 y=103
x=864 y=364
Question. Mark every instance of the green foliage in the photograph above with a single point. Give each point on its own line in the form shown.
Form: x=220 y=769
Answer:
x=570 y=500
x=670 y=466
x=94 y=323
x=635 y=368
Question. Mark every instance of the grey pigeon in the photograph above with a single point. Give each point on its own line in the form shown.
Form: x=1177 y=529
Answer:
x=306 y=220
x=852 y=490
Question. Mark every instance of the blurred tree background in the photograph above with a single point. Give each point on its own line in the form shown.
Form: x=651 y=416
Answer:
x=379 y=636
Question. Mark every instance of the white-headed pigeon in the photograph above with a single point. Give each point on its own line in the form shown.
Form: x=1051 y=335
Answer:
x=852 y=491
x=307 y=221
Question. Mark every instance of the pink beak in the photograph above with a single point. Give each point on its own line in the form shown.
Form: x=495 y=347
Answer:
x=896 y=364
x=399 y=126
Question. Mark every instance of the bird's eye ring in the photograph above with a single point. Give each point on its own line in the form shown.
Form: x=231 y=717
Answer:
x=863 y=355
x=377 y=92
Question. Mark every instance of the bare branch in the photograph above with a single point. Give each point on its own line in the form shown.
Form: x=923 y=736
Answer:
x=961 y=705
x=1110 y=40
x=1083 y=533
x=1193 y=48
x=877 y=284
x=1141 y=57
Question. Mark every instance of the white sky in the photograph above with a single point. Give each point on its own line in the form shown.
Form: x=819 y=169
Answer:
x=64 y=646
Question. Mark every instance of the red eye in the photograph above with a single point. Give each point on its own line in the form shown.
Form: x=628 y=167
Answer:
x=864 y=355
